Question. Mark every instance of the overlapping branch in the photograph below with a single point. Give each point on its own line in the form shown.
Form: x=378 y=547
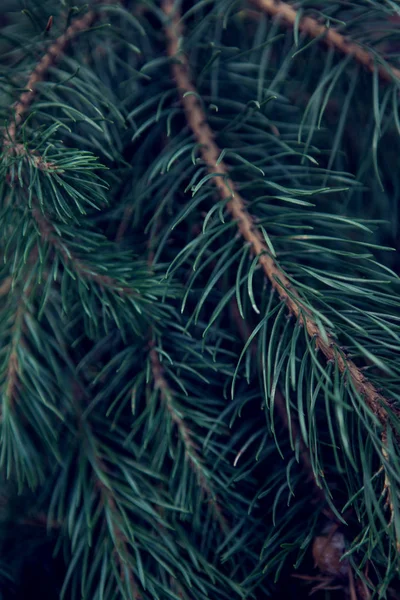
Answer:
x=280 y=404
x=39 y=73
x=122 y=553
x=195 y=460
x=235 y=204
x=12 y=375
x=311 y=27
x=49 y=235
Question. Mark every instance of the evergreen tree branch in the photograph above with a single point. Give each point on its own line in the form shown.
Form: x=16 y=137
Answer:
x=236 y=205
x=12 y=375
x=191 y=452
x=166 y=393
x=49 y=235
x=5 y=286
x=290 y=425
x=310 y=26
x=121 y=552
x=41 y=70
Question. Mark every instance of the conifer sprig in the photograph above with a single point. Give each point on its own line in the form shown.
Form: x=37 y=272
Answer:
x=235 y=204
x=39 y=73
x=191 y=449
x=310 y=26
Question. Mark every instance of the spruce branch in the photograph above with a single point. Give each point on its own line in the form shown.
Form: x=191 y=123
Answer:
x=5 y=286
x=236 y=206
x=21 y=151
x=121 y=552
x=50 y=236
x=191 y=451
x=310 y=26
x=290 y=425
x=47 y=61
x=12 y=375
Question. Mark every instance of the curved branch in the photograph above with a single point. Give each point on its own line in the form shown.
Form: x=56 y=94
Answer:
x=331 y=37
x=235 y=204
x=39 y=73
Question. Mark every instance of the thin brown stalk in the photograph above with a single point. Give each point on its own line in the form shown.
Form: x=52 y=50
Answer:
x=49 y=235
x=195 y=460
x=12 y=377
x=122 y=553
x=39 y=73
x=236 y=205
x=289 y=15
x=5 y=286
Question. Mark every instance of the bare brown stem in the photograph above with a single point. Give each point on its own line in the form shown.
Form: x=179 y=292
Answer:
x=195 y=460
x=235 y=204
x=288 y=15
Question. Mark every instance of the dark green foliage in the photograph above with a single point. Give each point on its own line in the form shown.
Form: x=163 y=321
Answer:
x=165 y=418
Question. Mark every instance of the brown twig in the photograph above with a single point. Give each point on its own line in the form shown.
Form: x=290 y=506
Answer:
x=235 y=204
x=195 y=460
x=12 y=378
x=39 y=73
x=48 y=234
x=288 y=14
x=5 y=286
x=122 y=554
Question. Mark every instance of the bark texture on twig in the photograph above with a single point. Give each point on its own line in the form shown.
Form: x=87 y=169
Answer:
x=289 y=15
x=50 y=236
x=235 y=204
x=39 y=73
x=191 y=452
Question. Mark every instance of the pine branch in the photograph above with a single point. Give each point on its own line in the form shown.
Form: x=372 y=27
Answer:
x=13 y=371
x=235 y=204
x=49 y=235
x=47 y=61
x=5 y=287
x=331 y=37
x=195 y=460
x=122 y=553
x=291 y=426
x=20 y=150
x=166 y=394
